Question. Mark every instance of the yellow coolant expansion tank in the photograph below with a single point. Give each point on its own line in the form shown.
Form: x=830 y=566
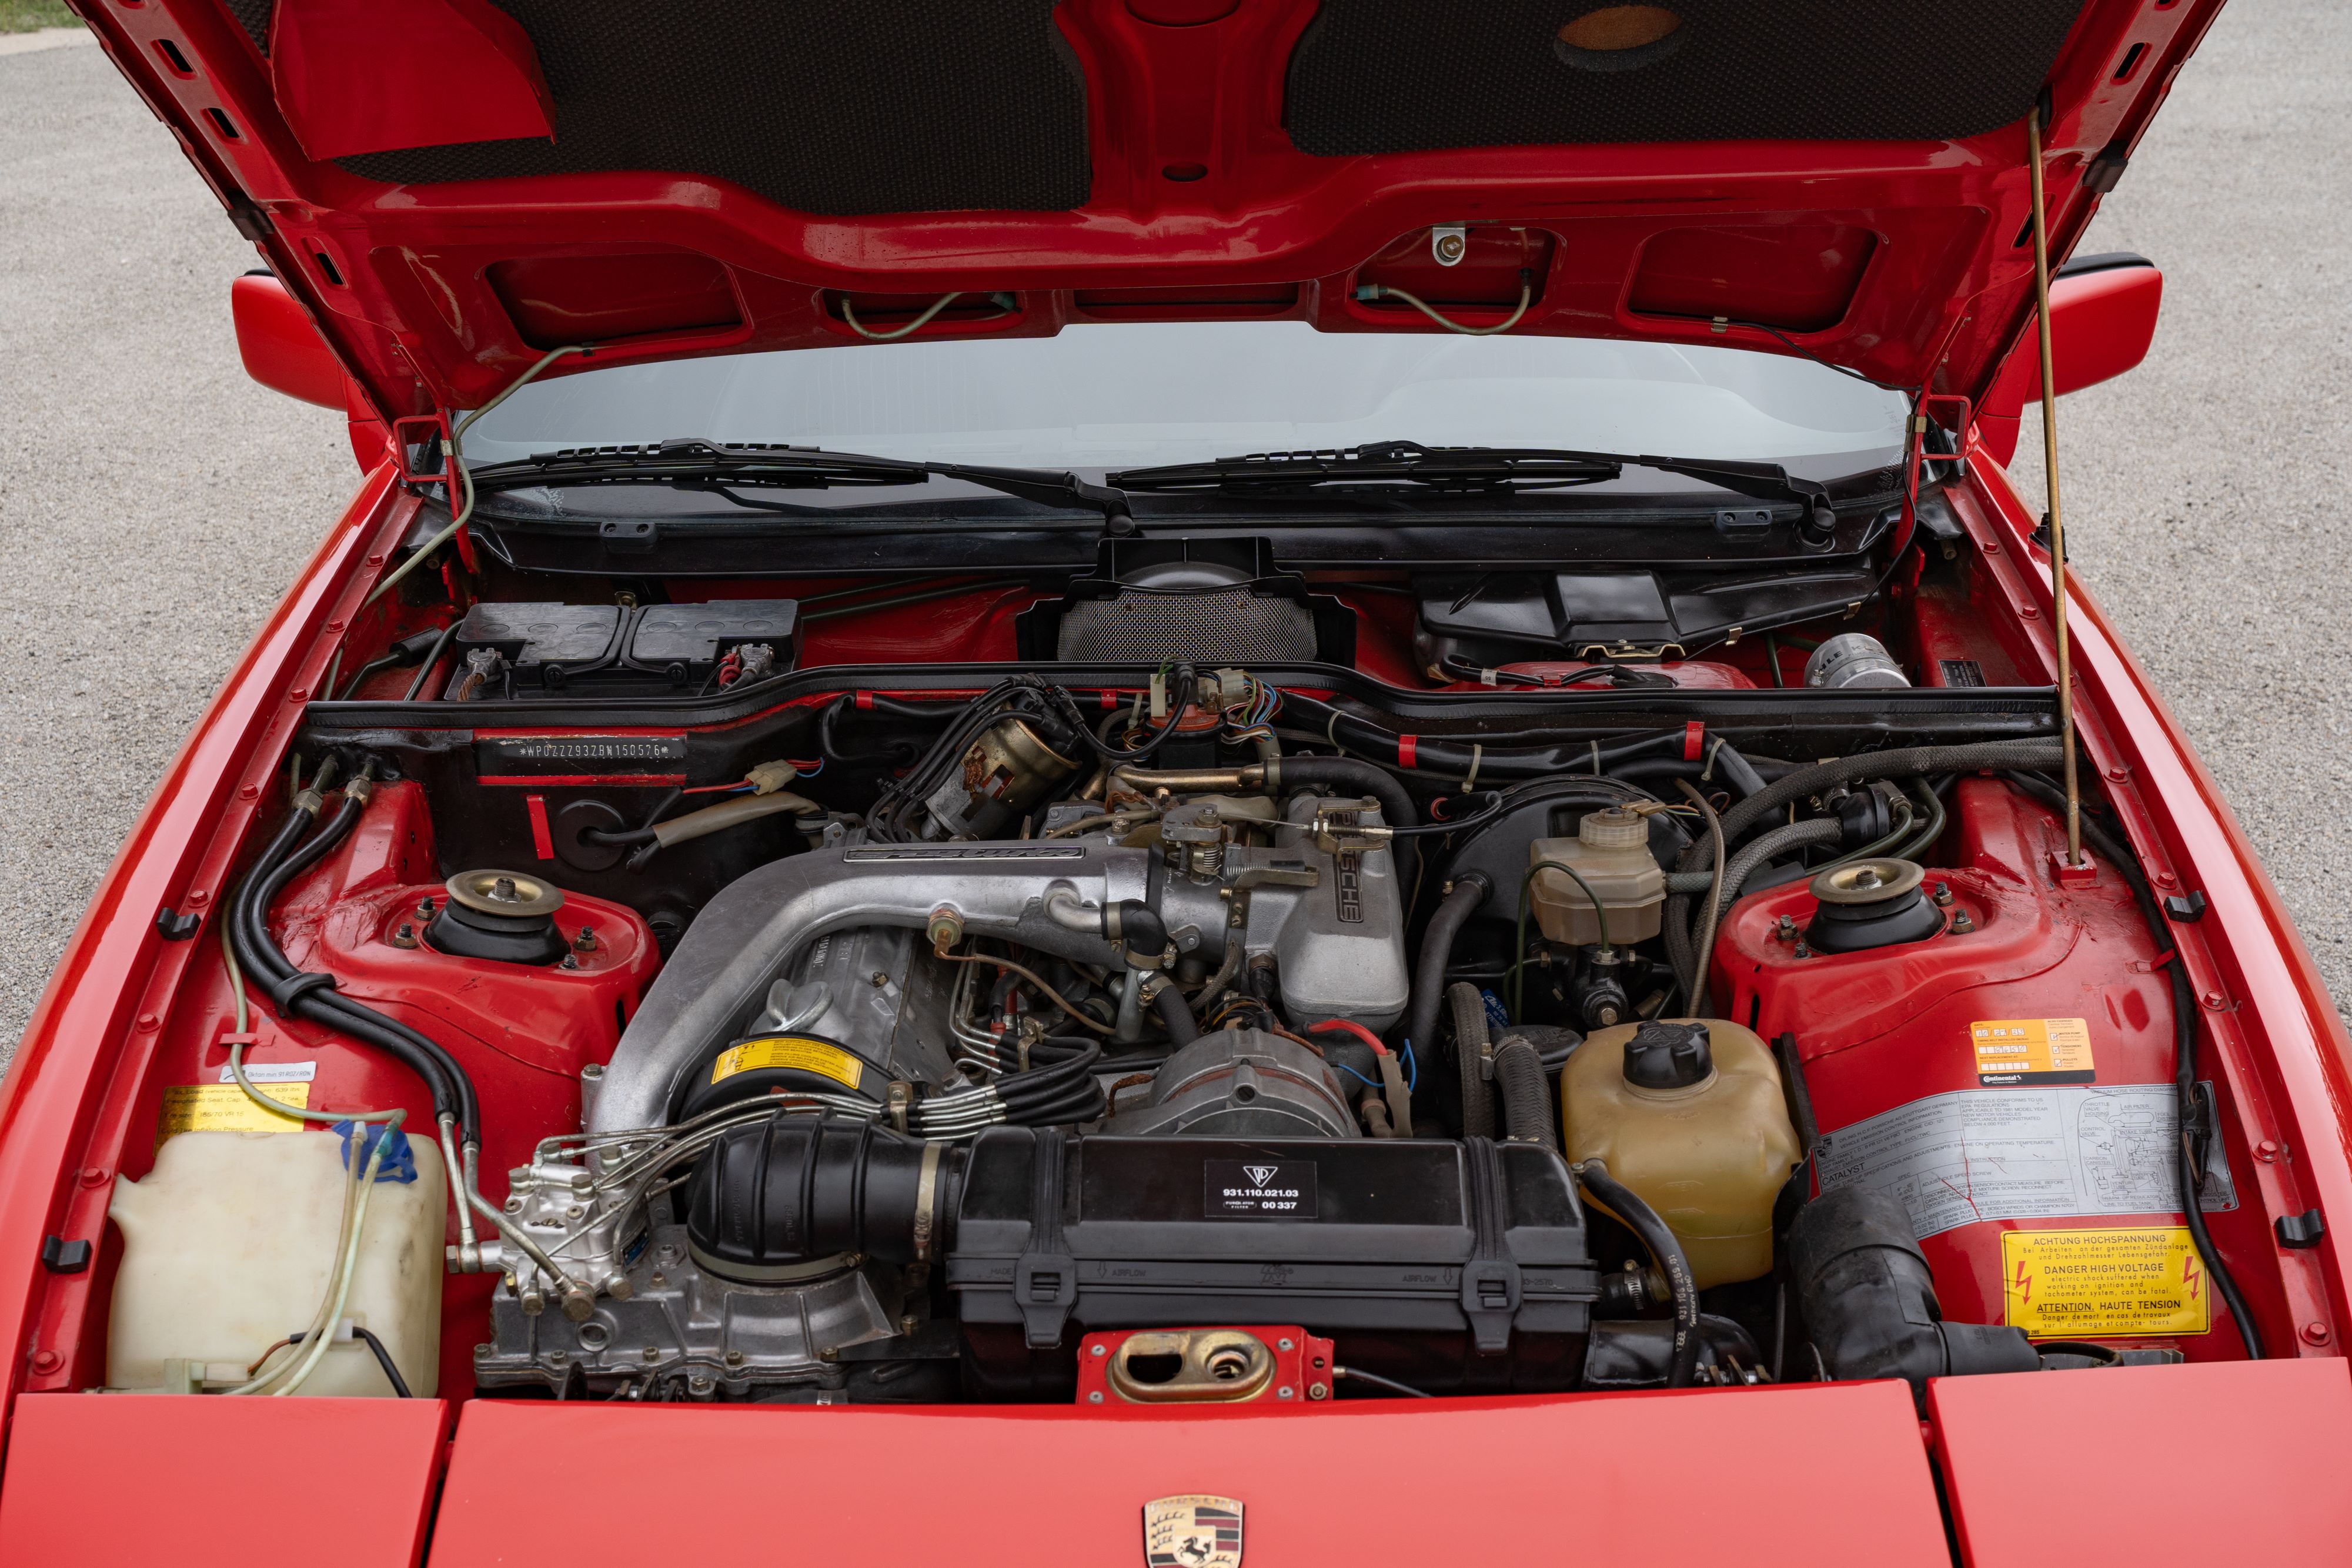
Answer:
x=1689 y=1113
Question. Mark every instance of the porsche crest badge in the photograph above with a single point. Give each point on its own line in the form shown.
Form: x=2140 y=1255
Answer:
x=1192 y=1532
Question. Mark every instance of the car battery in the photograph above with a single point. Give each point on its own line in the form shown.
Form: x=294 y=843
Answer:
x=537 y=649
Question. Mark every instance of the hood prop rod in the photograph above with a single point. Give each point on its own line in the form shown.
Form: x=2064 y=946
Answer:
x=2033 y=125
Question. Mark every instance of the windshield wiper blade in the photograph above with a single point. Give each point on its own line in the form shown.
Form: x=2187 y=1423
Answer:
x=694 y=460
x=692 y=463
x=1381 y=462
x=1465 y=469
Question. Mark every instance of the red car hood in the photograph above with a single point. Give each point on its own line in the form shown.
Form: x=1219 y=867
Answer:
x=1819 y=1475
x=451 y=187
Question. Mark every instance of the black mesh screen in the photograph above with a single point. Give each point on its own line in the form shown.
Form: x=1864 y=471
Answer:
x=1237 y=627
x=1398 y=76
x=253 y=15
x=837 y=107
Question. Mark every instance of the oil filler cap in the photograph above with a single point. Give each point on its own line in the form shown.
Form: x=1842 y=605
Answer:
x=1668 y=1056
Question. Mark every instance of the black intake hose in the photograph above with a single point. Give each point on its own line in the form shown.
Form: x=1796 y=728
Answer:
x=1469 y=1009
x=795 y=1188
x=1869 y=1301
x=1360 y=778
x=1652 y=1231
x=1526 y=1093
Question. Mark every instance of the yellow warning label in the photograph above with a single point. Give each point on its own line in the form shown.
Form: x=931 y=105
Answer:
x=2031 y=1050
x=224 y=1108
x=788 y=1050
x=2100 y=1284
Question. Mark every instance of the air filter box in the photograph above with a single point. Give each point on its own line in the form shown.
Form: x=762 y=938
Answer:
x=1449 y=1266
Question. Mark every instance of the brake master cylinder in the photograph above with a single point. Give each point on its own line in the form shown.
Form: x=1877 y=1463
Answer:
x=1688 y=1114
x=1611 y=852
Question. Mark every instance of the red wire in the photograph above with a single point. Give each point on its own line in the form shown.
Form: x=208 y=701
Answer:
x=1351 y=1027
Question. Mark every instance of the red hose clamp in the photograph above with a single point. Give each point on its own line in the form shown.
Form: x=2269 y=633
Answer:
x=1693 y=740
x=1408 y=748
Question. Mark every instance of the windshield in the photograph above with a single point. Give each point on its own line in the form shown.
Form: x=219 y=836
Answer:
x=1134 y=394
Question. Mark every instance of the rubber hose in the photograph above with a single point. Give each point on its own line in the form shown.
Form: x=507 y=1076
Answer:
x=1140 y=930
x=1643 y=1222
x=1909 y=762
x=1681 y=925
x=1526 y=1093
x=432 y=658
x=1452 y=913
x=1178 y=1018
x=452 y=1090
x=729 y=812
x=1759 y=851
x=1347 y=773
x=1470 y=1055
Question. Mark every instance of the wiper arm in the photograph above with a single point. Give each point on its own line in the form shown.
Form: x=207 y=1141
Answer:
x=1047 y=488
x=1465 y=469
x=696 y=463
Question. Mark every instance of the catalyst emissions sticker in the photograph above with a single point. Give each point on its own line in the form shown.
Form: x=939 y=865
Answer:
x=1246 y=1189
x=2101 y=1284
x=2022 y=1154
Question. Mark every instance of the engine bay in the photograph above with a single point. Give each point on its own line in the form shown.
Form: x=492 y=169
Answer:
x=1194 y=982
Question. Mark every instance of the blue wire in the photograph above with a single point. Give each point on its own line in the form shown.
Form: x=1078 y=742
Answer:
x=1412 y=1070
x=1356 y=1075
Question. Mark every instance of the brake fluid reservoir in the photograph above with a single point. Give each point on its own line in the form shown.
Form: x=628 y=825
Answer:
x=1688 y=1114
x=228 y=1246
x=1611 y=852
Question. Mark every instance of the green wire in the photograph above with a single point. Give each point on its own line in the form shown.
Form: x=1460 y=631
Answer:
x=1519 y=964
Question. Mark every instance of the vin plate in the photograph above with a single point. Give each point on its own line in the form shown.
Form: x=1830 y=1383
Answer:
x=1245 y=1189
x=573 y=754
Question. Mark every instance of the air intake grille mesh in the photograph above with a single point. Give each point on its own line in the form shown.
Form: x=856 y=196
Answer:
x=1232 y=626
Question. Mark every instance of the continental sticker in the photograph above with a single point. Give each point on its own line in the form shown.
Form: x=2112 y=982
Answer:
x=2103 y=1285
x=788 y=1051
x=2031 y=1050
x=224 y=1108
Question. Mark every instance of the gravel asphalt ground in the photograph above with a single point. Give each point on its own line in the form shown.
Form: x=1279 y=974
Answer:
x=154 y=503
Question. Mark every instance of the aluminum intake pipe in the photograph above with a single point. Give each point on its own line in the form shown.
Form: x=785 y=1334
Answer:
x=717 y=978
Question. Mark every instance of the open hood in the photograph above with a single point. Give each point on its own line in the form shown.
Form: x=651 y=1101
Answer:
x=453 y=187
